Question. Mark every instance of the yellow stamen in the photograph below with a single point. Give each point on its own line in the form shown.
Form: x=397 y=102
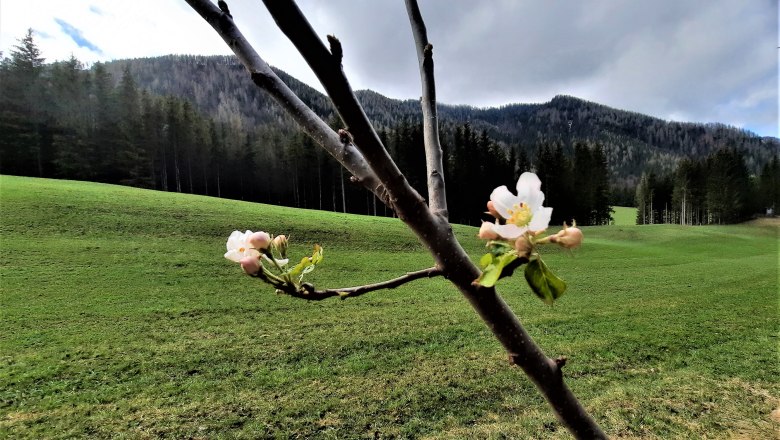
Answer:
x=520 y=215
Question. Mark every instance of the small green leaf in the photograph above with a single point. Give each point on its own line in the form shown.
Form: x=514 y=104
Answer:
x=543 y=282
x=298 y=269
x=489 y=276
x=498 y=248
x=316 y=256
x=307 y=263
x=492 y=271
x=485 y=260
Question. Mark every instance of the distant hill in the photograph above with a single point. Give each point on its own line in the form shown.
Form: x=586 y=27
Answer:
x=633 y=142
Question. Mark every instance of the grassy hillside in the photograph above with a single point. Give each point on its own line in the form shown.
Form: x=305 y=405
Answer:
x=120 y=318
x=624 y=216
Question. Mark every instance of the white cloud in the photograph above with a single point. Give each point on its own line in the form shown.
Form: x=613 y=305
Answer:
x=699 y=60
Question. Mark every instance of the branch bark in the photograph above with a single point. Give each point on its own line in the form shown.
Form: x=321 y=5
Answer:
x=437 y=195
x=432 y=230
x=326 y=65
x=264 y=77
x=310 y=293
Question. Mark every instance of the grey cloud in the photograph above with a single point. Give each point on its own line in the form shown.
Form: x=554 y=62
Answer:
x=697 y=60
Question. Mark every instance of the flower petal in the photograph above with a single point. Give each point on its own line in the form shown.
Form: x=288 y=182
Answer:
x=234 y=240
x=234 y=255
x=503 y=200
x=509 y=231
x=541 y=219
x=281 y=262
x=529 y=190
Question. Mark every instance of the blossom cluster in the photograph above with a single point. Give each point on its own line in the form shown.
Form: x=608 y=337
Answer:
x=521 y=218
x=520 y=222
x=263 y=256
x=249 y=247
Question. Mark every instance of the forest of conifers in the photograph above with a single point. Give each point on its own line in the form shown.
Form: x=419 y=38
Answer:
x=198 y=125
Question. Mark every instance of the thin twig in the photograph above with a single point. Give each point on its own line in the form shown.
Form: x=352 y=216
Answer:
x=437 y=196
x=308 y=291
x=294 y=25
x=265 y=78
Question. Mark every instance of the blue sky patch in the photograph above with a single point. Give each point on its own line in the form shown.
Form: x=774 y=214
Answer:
x=75 y=34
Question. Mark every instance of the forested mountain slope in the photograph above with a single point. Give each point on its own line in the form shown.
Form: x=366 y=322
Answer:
x=632 y=142
x=197 y=124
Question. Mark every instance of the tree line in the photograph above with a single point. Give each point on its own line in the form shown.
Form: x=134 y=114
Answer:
x=63 y=120
x=632 y=142
x=714 y=190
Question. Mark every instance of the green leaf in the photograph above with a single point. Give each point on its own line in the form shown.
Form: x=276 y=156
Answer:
x=307 y=263
x=543 y=282
x=485 y=260
x=492 y=271
x=498 y=248
x=298 y=269
x=316 y=256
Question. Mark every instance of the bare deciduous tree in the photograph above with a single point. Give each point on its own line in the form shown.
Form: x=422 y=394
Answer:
x=360 y=151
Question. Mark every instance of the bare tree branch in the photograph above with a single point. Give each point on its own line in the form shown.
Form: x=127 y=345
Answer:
x=437 y=196
x=432 y=230
x=265 y=78
x=308 y=291
x=326 y=65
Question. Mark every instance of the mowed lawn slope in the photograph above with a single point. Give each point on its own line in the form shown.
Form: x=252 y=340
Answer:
x=119 y=318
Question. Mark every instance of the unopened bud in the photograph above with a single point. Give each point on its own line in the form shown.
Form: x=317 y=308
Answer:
x=280 y=244
x=568 y=237
x=251 y=265
x=259 y=240
x=523 y=246
x=491 y=209
x=486 y=231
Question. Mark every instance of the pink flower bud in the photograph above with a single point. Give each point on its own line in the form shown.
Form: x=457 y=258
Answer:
x=280 y=243
x=486 y=231
x=568 y=237
x=259 y=240
x=251 y=265
x=491 y=209
x=523 y=246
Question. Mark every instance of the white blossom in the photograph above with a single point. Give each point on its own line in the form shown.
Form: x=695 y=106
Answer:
x=238 y=246
x=523 y=212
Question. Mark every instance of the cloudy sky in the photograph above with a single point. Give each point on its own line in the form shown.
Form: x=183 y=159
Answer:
x=684 y=60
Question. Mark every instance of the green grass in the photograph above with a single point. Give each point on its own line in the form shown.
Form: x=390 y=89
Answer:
x=119 y=318
x=623 y=216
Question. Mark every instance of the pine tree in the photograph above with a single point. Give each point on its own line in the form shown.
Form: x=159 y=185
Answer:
x=69 y=110
x=728 y=187
x=22 y=117
x=601 y=211
x=769 y=186
x=131 y=164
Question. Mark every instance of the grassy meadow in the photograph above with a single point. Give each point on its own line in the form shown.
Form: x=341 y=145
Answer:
x=623 y=216
x=119 y=318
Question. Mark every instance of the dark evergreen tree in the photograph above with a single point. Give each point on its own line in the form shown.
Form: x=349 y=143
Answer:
x=24 y=149
x=601 y=210
x=769 y=186
x=645 y=193
x=728 y=187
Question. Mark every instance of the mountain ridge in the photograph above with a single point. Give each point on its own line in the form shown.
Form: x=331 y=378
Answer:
x=633 y=142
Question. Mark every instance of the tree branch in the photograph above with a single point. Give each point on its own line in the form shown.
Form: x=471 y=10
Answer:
x=432 y=230
x=437 y=196
x=326 y=65
x=308 y=291
x=264 y=77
